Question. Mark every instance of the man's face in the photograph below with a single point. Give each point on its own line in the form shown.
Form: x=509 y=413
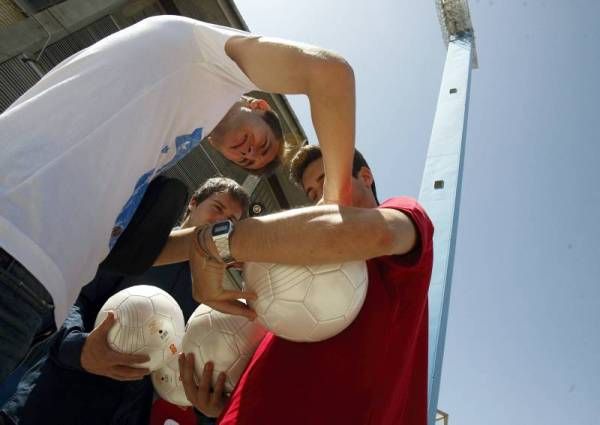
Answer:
x=248 y=140
x=217 y=207
x=314 y=177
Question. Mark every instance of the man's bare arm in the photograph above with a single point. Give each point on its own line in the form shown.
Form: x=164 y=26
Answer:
x=323 y=234
x=312 y=235
x=281 y=66
x=176 y=248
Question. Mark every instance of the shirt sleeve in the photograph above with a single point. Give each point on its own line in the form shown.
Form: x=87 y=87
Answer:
x=66 y=350
x=423 y=227
x=211 y=39
x=189 y=40
x=70 y=338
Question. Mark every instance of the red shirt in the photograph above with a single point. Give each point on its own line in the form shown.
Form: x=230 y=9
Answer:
x=163 y=411
x=374 y=372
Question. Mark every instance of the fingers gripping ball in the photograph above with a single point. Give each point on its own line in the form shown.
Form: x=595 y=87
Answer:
x=168 y=385
x=149 y=321
x=307 y=303
x=227 y=341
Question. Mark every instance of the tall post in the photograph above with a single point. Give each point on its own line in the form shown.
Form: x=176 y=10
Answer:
x=442 y=177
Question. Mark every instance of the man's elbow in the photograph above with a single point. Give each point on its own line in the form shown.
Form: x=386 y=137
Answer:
x=332 y=70
x=341 y=71
x=341 y=68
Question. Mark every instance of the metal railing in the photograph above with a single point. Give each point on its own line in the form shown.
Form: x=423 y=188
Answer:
x=441 y=417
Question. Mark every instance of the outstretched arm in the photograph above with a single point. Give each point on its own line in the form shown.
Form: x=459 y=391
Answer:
x=281 y=66
x=312 y=235
x=323 y=234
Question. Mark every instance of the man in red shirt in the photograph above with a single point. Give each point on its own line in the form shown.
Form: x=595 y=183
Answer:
x=375 y=371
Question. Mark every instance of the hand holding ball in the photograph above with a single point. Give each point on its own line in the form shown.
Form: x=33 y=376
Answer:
x=149 y=321
x=225 y=340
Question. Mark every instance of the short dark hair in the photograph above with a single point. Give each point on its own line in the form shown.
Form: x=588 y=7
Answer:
x=309 y=153
x=221 y=185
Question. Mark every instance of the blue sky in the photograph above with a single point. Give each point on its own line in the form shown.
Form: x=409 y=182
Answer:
x=522 y=342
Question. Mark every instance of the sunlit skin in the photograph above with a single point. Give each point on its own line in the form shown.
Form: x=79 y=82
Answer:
x=314 y=177
x=244 y=137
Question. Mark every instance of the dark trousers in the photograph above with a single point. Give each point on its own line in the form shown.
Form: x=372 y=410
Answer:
x=26 y=313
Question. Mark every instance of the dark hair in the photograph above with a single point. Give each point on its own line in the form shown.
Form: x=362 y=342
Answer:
x=309 y=153
x=272 y=120
x=221 y=185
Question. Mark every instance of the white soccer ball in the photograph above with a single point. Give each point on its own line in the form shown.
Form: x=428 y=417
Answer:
x=306 y=303
x=226 y=340
x=168 y=385
x=149 y=321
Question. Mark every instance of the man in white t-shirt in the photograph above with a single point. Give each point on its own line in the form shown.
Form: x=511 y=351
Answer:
x=81 y=146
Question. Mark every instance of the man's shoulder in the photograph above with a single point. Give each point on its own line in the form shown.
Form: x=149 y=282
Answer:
x=409 y=206
x=162 y=21
x=421 y=254
x=399 y=202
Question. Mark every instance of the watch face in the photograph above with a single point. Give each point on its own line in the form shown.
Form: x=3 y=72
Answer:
x=221 y=228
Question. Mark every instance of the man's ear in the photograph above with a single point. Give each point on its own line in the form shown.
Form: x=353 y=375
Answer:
x=366 y=176
x=259 y=104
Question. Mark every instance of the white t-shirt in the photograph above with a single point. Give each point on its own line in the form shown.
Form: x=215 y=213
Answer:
x=78 y=149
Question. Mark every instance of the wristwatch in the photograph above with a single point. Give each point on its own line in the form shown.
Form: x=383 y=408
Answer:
x=220 y=233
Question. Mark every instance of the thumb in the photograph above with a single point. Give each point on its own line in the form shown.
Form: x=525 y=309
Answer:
x=107 y=323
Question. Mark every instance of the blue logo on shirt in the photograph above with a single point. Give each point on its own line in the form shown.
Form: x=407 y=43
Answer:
x=183 y=145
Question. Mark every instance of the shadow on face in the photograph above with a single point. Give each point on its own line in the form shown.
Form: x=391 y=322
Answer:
x=247 y=137
x=313 y=179
x=218 y=206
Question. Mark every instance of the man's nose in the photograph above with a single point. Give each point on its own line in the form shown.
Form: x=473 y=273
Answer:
x=251 y=152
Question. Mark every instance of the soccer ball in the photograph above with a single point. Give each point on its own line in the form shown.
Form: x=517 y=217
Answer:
x=168 y=385
x=149 y=321
x=226 y=340
x=306 y=303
